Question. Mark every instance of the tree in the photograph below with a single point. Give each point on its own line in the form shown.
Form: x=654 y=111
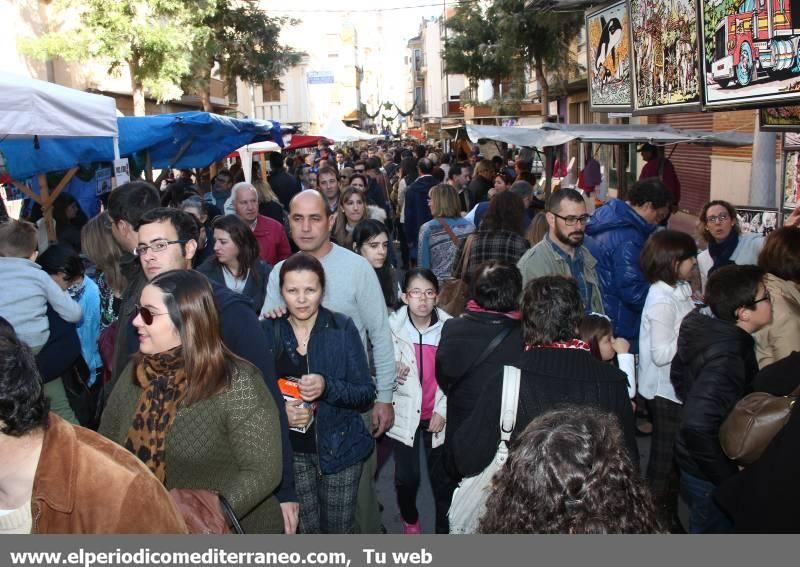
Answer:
x=474 y=48
x=542 y=38
x=242 y=39
x=151 y=37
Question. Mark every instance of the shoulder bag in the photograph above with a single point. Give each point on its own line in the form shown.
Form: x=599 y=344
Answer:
x=753 y=424
x=453 y=295
x=469 y=499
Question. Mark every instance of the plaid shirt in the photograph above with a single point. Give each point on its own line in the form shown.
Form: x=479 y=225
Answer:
x=501 y=245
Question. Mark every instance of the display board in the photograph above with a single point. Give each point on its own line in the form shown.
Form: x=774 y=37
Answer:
x=664 y=56
x=791 y=179
x=780 y=118
x=757 y=220
x=609 y=58
x=750 y=54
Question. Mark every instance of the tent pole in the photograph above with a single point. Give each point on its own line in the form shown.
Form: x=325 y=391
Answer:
x=148 y=167
x=622 y=177
x=173 y=161
x=264 y=168
x=548 y=172
x=47 y=208
x=63 y=183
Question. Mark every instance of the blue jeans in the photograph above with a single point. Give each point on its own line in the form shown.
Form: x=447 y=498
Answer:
x=705 y=517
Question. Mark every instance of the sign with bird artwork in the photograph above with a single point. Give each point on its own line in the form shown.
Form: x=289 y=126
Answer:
x=608 y=58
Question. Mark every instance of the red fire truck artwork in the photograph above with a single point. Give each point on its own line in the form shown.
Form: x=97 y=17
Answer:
x=756 y=37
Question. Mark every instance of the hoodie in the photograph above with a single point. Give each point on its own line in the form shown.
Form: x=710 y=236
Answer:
x=615 y=236
x=712 y=370
x=417 y=211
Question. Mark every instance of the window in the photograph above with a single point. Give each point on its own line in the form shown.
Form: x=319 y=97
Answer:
x=271 y=91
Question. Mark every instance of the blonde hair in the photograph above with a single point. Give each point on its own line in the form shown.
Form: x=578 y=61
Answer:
x=101 y=248
x=343 y=238
x=265 y=192
x=444 y=201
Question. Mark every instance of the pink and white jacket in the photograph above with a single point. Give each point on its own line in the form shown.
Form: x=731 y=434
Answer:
x=419 y=396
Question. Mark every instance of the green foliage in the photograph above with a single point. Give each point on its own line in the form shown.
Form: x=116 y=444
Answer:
x=242 y=39
x=153 y=37
x=473 y=47
x=540 y=37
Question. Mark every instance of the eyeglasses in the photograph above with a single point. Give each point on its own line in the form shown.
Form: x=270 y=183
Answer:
x=765 y=298
x=360 y=170
x=718 y=219
x=156 y=247
x=418 y=293
x=573 y=220
x=147 y=315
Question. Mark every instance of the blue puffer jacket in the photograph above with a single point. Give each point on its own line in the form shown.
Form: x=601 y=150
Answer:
x=335 y=350
x=615 y=237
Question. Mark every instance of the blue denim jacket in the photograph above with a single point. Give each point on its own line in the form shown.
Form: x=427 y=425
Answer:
x=336 y=352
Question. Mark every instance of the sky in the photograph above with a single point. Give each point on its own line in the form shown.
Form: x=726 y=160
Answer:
x=384 y=25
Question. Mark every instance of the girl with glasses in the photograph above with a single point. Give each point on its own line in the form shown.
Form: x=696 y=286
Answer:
x=719 y=227
x=420 y=406
x=197 y=415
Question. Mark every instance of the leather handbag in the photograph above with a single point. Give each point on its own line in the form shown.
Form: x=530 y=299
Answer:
x=469 y=499
x=753 y=424
x=453 y=295
x=205 y=511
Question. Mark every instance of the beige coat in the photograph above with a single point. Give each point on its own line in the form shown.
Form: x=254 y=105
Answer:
x=781 y=337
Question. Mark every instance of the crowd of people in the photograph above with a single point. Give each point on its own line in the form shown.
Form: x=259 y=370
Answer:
x=269 y=345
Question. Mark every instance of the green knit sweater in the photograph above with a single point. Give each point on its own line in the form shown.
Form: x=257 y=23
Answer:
x=229 y=443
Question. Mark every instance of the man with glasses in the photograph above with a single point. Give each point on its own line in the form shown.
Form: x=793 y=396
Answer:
x=167 y=240
x=615 y=237
x=562 y=253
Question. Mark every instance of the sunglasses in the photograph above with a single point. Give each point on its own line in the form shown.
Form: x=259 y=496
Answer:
x=147 y=315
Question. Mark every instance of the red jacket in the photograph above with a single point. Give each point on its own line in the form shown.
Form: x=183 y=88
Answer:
x=668 y=176
x=272 y=241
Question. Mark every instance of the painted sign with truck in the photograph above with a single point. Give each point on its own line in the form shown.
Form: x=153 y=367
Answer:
x=752 y=52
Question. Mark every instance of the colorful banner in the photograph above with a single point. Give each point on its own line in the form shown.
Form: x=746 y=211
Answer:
x=609 y=58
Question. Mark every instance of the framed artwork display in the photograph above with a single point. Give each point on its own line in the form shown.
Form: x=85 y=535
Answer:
x=749 y=52
x=609 y=58
x=664 y=56
x=780 y=118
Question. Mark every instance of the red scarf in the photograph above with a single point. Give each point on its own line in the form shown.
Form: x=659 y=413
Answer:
x=572 y=343
x=472 y=305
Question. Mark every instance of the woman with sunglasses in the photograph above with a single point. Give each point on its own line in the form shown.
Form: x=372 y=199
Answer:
x=719 y=227
x=236 y=263
x=217 y=424
x=326 y=380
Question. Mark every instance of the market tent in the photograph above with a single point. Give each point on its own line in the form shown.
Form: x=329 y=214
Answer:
x=191 y=139
x=337 y=131
x=551 y=134
x=29 y=107
x=183 y=140
x=292 y=142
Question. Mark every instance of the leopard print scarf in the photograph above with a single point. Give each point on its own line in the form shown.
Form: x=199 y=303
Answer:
x=163 y=383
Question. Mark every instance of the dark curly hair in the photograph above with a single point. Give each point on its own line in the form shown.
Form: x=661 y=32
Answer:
x=23 y=405
x=569 y=473
x=552 y=309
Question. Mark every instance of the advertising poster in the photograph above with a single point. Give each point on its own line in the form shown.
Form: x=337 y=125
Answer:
x=664 y=56
x=608 y=58
x=750 y=52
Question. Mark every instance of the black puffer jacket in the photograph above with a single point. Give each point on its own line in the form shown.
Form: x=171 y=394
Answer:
x=712 y=370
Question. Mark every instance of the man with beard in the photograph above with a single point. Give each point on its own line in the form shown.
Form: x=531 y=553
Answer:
x=562 y=252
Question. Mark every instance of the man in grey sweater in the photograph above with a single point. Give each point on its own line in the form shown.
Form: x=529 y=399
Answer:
x=351 y=288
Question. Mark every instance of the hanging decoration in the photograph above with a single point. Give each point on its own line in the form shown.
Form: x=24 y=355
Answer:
x=406 y=114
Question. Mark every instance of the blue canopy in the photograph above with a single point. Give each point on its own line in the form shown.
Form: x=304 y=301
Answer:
x=207 y=137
